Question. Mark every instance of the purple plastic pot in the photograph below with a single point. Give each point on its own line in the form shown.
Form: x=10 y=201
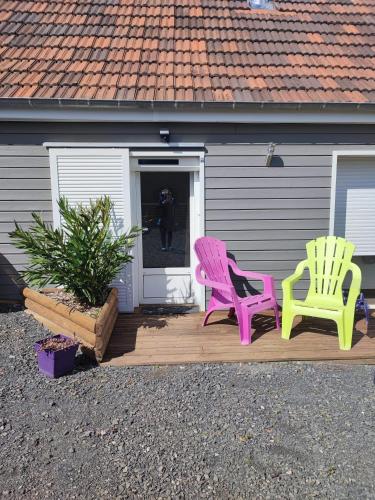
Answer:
x=56 y=363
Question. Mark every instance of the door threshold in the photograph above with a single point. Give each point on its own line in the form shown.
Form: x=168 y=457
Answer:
x=167 y=309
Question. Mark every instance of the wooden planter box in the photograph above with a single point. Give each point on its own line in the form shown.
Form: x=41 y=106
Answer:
x=92 y=333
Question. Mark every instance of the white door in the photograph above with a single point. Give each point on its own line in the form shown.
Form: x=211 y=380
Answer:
x=168 y=216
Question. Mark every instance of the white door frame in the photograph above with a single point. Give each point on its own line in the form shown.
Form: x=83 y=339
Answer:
x=193 y=162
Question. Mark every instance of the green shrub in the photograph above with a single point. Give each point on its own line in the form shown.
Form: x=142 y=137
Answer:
x=82 y=256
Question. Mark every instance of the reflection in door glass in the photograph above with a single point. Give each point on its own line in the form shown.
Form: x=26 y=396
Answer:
x=165 y=219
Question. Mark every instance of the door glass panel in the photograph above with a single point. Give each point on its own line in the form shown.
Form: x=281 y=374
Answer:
x=165 y=200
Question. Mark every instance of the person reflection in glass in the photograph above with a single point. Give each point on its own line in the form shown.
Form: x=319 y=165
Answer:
x=167 y=218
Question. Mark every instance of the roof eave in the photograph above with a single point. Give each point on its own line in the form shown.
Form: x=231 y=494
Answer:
x=26 y=109
x=198 y=105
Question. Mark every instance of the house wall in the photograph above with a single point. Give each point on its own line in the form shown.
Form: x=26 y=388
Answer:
x=265 y=214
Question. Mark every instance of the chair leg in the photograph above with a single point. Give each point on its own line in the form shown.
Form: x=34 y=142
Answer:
x=345 y=327
x=244 y=323
x=208 y=314
x=348 y=337
x=277 y=316
x=286 y=323
x=341 y=330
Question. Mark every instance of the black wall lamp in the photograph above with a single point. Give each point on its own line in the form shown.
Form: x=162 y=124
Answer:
x=164 y=135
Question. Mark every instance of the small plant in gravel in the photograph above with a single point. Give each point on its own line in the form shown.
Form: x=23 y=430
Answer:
x=82 y=255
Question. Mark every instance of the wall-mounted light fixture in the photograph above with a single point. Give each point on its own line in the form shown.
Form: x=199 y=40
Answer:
x=164 y=135
x=271 y=150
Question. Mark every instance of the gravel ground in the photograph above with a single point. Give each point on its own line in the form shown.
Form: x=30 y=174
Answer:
x=291 y=430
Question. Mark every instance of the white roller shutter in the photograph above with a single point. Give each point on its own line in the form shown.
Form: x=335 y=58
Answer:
x=355 y=203
x=84 y=174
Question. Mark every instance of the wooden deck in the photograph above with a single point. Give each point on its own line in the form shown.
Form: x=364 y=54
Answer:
x=141 y=339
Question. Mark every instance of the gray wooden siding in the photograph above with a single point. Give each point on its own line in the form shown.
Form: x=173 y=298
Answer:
x=24 y=187
x=265 y=214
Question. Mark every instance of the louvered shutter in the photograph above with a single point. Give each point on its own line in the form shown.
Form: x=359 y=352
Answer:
x=84 y=174
x=355 y=203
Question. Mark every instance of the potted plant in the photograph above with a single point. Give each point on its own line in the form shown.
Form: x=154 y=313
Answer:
x=80 y=258
x=56 y=355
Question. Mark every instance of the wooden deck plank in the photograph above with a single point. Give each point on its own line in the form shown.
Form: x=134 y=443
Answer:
x=146 y=340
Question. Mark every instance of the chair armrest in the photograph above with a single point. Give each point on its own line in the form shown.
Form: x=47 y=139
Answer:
x=355 y=286
x=287 y=283
x=209 y=283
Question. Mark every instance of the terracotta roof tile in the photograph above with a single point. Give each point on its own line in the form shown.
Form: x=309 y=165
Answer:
x=202 y=50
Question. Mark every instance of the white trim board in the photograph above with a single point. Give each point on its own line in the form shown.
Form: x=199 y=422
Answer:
x=132 y=145
x=169 y=153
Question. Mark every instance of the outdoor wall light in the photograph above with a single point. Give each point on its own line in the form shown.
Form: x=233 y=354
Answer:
x=271 y=149
x=164 y=135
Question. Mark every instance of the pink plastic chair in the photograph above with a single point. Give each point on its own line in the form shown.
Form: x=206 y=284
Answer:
x=212 y=255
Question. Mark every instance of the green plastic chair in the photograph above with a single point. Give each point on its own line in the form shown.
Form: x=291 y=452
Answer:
x=328 y=261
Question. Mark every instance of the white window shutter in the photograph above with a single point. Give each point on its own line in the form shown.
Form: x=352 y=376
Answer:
x=355 y=203
x=84 y=174
x=360 y=220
